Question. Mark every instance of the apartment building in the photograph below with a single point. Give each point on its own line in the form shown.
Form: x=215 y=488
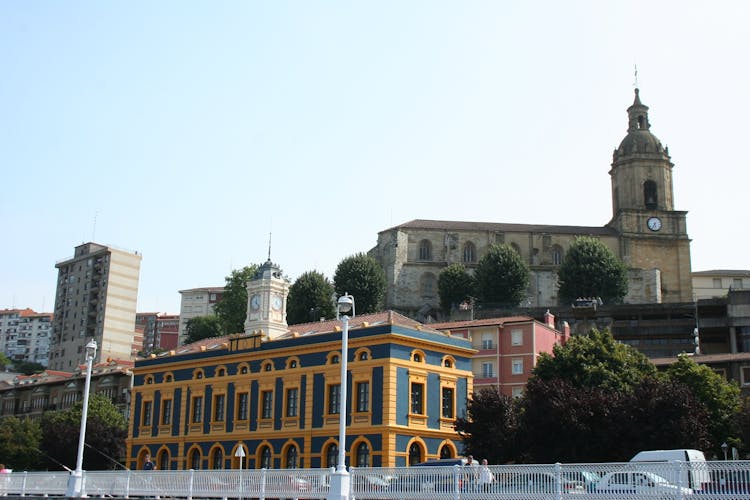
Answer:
x=97 y=290
x=25 y=335
x=197 y=302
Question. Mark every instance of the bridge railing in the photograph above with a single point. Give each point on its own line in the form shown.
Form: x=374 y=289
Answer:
x=719 y=480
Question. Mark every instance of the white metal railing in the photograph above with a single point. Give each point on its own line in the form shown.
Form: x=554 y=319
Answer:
x=725 y=480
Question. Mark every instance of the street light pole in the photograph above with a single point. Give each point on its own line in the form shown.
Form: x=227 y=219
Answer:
x=340 y=479
x=75 y=482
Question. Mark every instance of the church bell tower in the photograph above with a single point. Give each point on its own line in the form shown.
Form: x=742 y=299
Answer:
x=653 y=235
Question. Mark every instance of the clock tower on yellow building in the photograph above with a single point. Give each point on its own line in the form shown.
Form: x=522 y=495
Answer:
x=266 y=302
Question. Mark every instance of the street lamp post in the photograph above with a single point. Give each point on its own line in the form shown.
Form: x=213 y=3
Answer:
x=340 y=479
x=724 y=448
x=75 y=482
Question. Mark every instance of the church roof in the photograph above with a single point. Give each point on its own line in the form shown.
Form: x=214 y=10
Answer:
x=500 y=227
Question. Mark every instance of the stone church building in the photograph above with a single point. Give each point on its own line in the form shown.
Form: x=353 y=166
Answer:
x=645 y=231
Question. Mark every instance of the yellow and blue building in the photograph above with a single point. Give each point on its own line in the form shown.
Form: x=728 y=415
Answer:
x=274 y=392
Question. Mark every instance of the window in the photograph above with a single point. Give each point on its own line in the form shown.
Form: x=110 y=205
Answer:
x=470 y=252
x=291 y=457
x=219 y=407
x=332 y=456
x=197 y=409
x=517 y=367
x=166 y=412
x=425 y=250
x=164 y=460
x=417 y=398
x=292 y=396
x=217 y=461
x=448 y=402
x=266 y=404
x=516 y=337
x=265 y=458
x=557 y=255
x=195 y=460
x=517 y=392
x=486 y=341
x=242 y=406
x=363 y=455
x=717 y=282
x=363 y=396
x=649 y=195
x=147 y=406
x=415 y=454
x=737 y=283
x=488 y=370
x=745 y=375
x=334 y=399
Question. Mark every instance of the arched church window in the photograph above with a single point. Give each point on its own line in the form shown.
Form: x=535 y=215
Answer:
x=557 y=255
x=640 y=122
x=415 y=454
x=649 y=195
x=470 y=252
x=425 y=250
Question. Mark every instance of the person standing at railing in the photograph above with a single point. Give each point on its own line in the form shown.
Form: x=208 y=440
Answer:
x=148 y=464
x=486 y=477
x=4 y=479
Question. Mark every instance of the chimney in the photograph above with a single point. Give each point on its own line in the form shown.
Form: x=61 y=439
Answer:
x=549 y=319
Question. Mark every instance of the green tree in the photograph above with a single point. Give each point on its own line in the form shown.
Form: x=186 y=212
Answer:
x=310 y=298
x=501 y=277
x=455 y=285
x=595 y=360
x=490 y=428
x=361 y=276
x=19 y=442
x=590 y=269
x=28 y=367
x=203 y=327
x=4 y=360
x=720 y=397
x=232 y=308
x=106 y=431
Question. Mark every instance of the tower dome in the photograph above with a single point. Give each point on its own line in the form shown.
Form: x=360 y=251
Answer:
x=639 y=140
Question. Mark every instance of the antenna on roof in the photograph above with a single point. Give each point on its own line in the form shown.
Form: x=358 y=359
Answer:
x=269 y=246
x=635 y=76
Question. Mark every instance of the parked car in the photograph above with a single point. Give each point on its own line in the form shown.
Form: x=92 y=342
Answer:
x=639 y=483
x=588 y=478
x=538 y=482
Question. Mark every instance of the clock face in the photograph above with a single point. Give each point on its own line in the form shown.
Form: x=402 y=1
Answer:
x=276 y=302
x=654 y=223
x=255 y=301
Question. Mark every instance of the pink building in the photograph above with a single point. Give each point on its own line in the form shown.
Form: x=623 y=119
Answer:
x=507 y=348
x=168 y=331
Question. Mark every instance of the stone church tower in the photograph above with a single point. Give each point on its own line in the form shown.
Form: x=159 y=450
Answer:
x=653 y=235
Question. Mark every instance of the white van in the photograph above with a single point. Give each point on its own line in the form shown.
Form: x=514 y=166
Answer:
x=694 y=474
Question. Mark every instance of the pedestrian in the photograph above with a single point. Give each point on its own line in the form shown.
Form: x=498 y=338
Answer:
x=148 y=464
x=471 y=477
x=5 y=480
x=486 y=477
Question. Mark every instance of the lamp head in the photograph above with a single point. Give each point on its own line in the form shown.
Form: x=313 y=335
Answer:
x=91 y=349
x=345 y=304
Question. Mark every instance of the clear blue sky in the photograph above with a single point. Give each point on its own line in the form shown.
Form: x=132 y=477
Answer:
x=190 y=130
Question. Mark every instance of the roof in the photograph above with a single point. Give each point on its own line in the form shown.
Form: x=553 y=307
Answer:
x=25 y=313
x=706 y=358
x=443 y=225
x=722 y=272
x=391 y=318
x=204 y=289
x=454 y=325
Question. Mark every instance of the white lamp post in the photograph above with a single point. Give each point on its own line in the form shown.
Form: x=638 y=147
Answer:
x=75 y=482
x=339 y=489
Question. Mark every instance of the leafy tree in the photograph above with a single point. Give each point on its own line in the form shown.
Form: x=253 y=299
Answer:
x=28 y=367
x=501 y=277
x=203 y=327
x=106 y=431
x=720 y=397
x=4 y=360
x=490 y=428
x=455 y=285
x=232 y=309
x=310 y=298
x=590 y=269
x=19 y=441
x=595 y=360
x=362 y=276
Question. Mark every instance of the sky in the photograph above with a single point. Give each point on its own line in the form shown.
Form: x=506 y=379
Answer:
x=194 y=132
